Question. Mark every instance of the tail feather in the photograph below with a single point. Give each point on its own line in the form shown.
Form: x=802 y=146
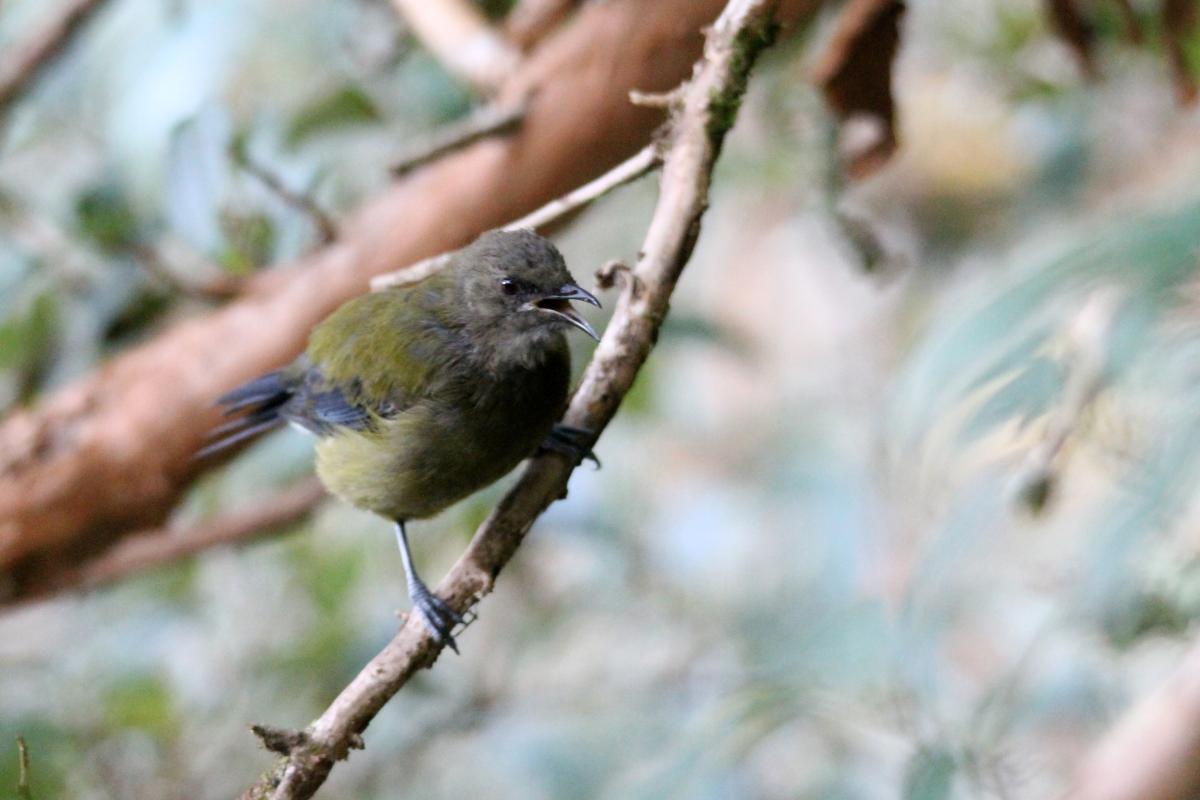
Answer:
x=234 y=438
x=262 y=399
x=260 y=391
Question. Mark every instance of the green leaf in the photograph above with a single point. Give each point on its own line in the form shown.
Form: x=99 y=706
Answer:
x=26 y=339
x=496 y=9
x=250 y=242
x=105 y=217
x=143 y=702
x=141 y=310
x=343 y=108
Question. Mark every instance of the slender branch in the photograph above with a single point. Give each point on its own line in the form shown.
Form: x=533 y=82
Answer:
x=412 y=274
x=23 y=790
x=462 y=40
x=1153 y=752
x=1075 y=30
x=664 y=100
x=300 y=201
x=693 y=142
x=25 y=62
x=154 y=548
x=628 y=170
x=490 y=120
x=1087 y=339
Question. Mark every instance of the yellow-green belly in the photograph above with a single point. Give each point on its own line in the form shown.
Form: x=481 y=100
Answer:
x=416 y=464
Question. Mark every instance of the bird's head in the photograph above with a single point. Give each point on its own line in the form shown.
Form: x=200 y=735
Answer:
x=518 y=282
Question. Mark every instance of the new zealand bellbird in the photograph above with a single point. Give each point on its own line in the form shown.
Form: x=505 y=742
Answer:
x=422 y=395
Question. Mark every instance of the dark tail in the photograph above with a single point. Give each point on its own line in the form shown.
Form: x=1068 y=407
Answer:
x=261 y=400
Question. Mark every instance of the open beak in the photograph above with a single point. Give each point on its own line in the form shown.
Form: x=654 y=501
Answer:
x=558 y=303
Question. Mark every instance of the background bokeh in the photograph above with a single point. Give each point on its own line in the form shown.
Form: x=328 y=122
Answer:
x=902 y=506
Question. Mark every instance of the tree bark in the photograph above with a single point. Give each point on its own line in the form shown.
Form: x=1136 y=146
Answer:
x=1153 y=752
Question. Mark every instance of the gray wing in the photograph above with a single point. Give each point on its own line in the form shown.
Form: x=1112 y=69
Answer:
x=299 y=394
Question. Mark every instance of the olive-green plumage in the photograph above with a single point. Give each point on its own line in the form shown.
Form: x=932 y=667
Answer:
x=421 y=395
x=472 y=400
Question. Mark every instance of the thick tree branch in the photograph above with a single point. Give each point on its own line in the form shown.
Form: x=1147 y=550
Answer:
x=530 y=20
x=691 y=146
x=166 y=545
x=1153 y=753
x=24 y=63
x=462 y=40
x=111 y=453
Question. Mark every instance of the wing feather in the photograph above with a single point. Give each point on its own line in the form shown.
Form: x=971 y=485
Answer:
x=367 y=362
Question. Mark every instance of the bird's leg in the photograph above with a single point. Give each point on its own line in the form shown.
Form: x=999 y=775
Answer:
x=437 y=616
x=571 y=442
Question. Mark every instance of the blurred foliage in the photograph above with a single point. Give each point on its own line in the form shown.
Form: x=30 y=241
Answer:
x=347 y=106
x=902 y=506
x=27 y=341
x=105 y=217
x=930 y=775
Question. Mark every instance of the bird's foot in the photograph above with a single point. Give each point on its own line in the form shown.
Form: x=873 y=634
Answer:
x=438 y=617
x=572 y=442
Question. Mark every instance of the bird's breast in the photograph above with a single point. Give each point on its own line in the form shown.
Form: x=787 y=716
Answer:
x=467 y=433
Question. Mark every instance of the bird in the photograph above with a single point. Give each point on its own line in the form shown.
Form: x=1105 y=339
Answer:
x=422 y=395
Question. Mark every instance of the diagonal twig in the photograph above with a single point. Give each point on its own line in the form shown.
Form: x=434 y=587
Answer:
x=23 y=790
x=631 y=169
x=628 y=170
x=692 y=144
x=300 y=201
x=25 y=62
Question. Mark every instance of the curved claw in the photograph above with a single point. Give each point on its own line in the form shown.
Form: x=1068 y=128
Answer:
x=572 y=442
x=438 y=617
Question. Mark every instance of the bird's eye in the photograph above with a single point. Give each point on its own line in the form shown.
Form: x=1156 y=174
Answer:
x=508 y=286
